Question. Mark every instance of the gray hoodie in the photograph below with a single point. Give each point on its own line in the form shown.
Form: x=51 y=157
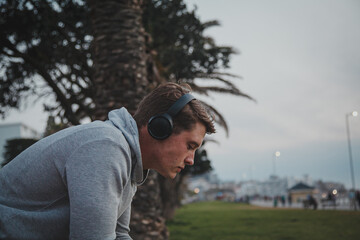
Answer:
x=75 y=184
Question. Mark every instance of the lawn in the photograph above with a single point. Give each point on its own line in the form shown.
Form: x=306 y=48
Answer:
x=231 y=221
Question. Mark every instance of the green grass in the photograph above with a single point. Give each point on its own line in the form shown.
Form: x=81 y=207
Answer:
x=231 y=221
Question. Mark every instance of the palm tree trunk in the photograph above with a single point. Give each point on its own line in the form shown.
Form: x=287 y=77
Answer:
x=121 y=80
x=147 y=220
x=120 y=76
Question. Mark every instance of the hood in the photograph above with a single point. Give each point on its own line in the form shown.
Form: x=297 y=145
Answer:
x=122 y=120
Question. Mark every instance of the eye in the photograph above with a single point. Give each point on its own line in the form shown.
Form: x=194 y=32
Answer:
x=190 y=147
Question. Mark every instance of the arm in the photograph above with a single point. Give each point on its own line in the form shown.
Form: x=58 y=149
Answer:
x=122 y=227
x=96 y=174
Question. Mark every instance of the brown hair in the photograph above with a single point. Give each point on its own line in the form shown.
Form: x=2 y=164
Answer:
x=163 y=97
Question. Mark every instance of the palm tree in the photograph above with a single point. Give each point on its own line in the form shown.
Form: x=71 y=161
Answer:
x=183 y=53
x=120 y=73
x=96 y=56
x=121 y=80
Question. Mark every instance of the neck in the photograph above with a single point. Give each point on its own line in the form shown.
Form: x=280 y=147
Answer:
x=145 y=147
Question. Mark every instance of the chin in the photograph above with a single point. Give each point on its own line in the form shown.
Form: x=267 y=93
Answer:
x=171 y=176
x=168 y=175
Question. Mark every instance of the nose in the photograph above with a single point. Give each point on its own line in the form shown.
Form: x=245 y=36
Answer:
x=189 y=160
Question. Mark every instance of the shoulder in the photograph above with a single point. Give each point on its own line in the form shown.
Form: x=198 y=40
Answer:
x=97 y=131
x=99 y=146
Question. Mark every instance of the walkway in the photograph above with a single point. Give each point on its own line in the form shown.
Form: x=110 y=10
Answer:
x=262 y=203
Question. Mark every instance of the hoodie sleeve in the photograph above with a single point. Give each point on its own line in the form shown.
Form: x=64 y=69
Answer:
x=122 y=227
x=96 y=174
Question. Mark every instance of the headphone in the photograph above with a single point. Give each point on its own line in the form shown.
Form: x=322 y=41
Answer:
x=161 y=126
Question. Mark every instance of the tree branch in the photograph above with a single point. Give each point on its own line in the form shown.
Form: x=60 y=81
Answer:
x=60 y=96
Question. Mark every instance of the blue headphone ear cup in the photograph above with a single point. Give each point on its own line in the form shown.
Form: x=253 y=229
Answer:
x=160 y=126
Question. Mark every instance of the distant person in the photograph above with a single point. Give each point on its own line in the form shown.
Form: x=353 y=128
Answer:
x=357 y=196
x=313 y=202
x=275 y=201
x=289 y=200
x=79 y=183
x=352 y=198
x=331 y=198
x=283 y=200
x=310 y=201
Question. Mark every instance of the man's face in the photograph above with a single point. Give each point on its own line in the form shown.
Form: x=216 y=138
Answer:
x=177 y=151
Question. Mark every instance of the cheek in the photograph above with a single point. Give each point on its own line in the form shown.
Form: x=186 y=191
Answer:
x=173 y=149
x=169 y=154
x=174 y=152
x=174 y=155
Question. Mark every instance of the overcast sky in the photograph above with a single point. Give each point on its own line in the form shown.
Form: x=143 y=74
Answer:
x=300 y=59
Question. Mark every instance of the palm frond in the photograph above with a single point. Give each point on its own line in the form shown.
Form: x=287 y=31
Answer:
x=232 y=91
x=211 y=23
x=206 y=75
x=219 y=78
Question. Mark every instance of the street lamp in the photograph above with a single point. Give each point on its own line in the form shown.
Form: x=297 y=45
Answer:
x=354 y=114
x=277 y=154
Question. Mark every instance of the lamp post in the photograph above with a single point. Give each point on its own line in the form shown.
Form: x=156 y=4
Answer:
x=277 y=154
x=354 y=114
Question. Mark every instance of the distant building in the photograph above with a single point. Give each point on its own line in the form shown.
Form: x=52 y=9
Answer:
x=209 y=187
x=201 y=185
x=272 y=187
x=248 y=188
x=15 y=130
x=275 y=186
x=301 y=191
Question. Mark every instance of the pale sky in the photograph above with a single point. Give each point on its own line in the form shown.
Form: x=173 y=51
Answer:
x=300 y=59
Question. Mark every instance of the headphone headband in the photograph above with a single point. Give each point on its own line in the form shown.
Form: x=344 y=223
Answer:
x=180 y=104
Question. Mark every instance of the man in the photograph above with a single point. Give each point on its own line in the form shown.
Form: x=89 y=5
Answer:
x=79 y=183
